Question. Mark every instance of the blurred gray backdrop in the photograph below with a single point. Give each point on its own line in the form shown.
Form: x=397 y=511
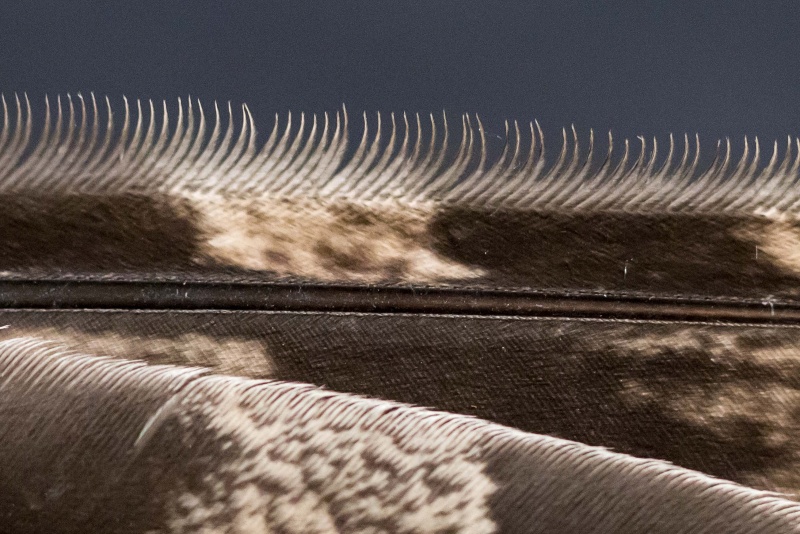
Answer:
x=637 y=67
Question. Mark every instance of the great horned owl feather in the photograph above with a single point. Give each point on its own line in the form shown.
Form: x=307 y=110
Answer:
x=420 y=202
x=205 y=328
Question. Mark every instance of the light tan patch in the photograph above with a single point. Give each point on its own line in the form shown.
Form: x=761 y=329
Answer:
x=690 y=338
x=225 y=356
x=318 y=471
x=777 y=239
x=330 y=242
x=720 y=345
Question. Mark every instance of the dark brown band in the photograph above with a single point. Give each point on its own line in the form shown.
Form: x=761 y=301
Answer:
x=372 y=299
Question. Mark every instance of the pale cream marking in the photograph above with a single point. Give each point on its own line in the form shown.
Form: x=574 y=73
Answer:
x=777 y=238
x=720 y=345
x=315 y=466
x=224 y=355
x=304 y=238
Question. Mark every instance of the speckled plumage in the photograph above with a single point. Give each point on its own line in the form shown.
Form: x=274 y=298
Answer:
x=110 y=425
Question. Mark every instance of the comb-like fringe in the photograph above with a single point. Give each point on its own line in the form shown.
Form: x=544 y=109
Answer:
x=416 y=164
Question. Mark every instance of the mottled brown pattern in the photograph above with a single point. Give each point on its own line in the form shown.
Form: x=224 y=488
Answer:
x=121 y=447
x=328 y=242
x=107 y=440
x=753 y=399
x=721 y=399
x=357 y=477
x=222 y=238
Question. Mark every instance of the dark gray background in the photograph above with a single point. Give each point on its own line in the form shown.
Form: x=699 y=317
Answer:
x=637 y=67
